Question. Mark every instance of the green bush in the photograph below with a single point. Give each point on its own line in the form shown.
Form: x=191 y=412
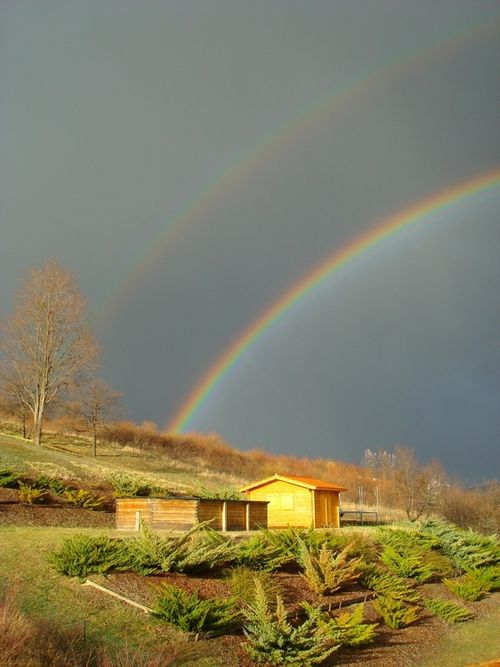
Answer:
x=348 y=629
x=410 y=564
x=83 y=498
x=125 y=486
x=273 y=640
x=9 y=478
x=51 y=484
x=82 y=555
x=464 y=548
x=388 y=584
x=447 y=610
x=228 y=493
x=395 y=614
x=326 y=571
x=242 y=581
x=30 y=495
x=191 y=613
x=471 y=586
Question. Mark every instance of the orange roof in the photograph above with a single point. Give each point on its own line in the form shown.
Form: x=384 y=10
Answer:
x=308 y=482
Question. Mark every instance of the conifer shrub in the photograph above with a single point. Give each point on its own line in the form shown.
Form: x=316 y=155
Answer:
x=260 y=552
x=191 y=613
x=83 y=498
x=51 y=484
x=242 y=581
x=447 y=610
x=82 y=555
x=394 y=612
x=273 y=640
x=410 y=564
x=388 y=584
x=9 y=478
x=125 y=486
x=471 y=586
x=348 y=629
x=30 y=495
x=326 y=571
x=464 y=548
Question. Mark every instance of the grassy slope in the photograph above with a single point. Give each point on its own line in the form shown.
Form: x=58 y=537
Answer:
x=71 y=458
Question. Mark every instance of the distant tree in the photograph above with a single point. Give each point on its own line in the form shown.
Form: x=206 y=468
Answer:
x=419 y=487
x=45 y=344
x=98 y=403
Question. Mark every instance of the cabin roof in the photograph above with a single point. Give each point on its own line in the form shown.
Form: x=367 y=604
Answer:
x=299 y=480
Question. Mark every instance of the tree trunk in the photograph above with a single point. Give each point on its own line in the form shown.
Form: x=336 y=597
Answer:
x=94 y=448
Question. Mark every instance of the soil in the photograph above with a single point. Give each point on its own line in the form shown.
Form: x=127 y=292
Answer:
x=56 y=513
x=405 y=647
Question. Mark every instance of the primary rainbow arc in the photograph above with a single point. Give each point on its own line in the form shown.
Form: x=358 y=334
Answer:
x=413 y=215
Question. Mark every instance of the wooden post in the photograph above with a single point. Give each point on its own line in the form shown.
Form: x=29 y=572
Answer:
x=137 y=521
x=247 y=516
x=224 y=516
x=313 y=507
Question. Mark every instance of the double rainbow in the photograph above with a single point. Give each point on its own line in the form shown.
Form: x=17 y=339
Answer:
x=419 y=214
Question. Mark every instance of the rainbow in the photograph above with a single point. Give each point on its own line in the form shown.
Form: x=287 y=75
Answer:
x=294 y=130
x=417 y=214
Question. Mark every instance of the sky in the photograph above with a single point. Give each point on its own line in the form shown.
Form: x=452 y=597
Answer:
x=191 y=162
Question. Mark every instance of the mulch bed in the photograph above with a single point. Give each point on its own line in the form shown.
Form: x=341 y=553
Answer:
x=57 y=513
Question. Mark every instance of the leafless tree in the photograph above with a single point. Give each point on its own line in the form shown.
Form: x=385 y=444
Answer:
x=98 y=403
x=45 y=343
x=420 y=487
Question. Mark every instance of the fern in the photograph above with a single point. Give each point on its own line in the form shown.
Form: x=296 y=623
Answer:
x=447 y=610
x=395 y=614
x=272 y=639
x=325 y=571
x=191 y=613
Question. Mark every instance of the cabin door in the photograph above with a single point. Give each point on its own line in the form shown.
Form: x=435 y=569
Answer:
x=326 y=510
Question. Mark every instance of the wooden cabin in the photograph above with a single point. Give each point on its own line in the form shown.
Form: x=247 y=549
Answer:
x=184 y=513
x=297 y=501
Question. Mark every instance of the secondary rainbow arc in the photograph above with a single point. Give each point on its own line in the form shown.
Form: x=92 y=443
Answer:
x=417 y=213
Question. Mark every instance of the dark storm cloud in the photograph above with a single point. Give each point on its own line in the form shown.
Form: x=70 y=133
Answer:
x=116 y=115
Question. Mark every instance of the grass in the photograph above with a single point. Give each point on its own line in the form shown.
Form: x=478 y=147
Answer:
x=68 y=457
x=469 y=643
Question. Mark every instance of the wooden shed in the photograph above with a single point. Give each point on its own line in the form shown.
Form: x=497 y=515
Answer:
x=297 y=501
x=184 y=513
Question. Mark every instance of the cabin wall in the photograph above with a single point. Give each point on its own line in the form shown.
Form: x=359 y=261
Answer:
x=210 y=510
x=289 y=505
x=326 y=505
x=157 y=513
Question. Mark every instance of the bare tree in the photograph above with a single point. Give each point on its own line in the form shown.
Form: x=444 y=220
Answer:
x=420 y=487
x=46 y=344
x=98 y=403
x=11 y=402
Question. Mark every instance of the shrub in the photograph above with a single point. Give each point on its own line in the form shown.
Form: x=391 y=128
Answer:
x=262 y=552
x=395 y=614
x=447 y=610
x=9 y=478
x=228 y=493
x=199 y=549
x=83 y=498
x=470 y=586
x=51 y=484
x=31 y=495
x=348 y=629
x=410 y=564
x=388 y=584
x=124 y=486
x=272 y=639
x=82 y=555
x=325 y=571
x=242 y=581
x=464 y=548
x=191 y=613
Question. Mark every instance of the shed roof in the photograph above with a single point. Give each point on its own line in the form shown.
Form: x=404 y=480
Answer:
x=299 y=480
